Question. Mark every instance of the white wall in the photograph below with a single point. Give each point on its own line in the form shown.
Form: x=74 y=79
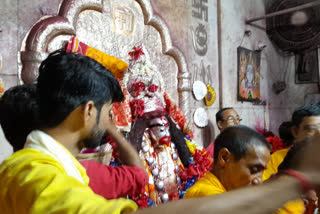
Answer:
x=274 y=67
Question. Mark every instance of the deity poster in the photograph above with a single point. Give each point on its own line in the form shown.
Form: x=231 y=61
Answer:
x=248 y=75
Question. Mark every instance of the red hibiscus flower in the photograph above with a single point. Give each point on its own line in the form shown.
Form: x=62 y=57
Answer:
x=137 y=88
x=136 y=54
x=174 y=196
x=276 y=143
x=153 y=88
x=141 y=200
x=137 y=108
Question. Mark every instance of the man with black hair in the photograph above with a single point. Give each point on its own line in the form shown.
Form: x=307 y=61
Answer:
x=240 y=156
x=19 y=103
x=225 y=118
x=285 y=133
x=75 y=95
x=305 y=123
x=19 y=111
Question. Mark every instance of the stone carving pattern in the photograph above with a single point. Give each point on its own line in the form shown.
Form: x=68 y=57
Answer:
x=120 y=25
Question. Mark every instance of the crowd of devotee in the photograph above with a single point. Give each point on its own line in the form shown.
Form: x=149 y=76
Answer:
x=156 y=166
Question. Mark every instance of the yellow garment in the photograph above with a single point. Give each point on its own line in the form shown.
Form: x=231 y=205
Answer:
x=208 y=185
x=292 y=207
x=34 y=182
x=274 y=162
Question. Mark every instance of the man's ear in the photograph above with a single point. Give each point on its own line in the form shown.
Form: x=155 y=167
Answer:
x=224 y=157
x=88 y=111
x=219 y=124
x=294 y=131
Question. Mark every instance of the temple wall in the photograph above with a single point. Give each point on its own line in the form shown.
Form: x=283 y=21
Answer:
x=274 y=67
x=212 y=60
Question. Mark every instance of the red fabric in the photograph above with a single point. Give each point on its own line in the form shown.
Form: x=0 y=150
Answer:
x=75 y=46
x=114 y=182
x=210 y=149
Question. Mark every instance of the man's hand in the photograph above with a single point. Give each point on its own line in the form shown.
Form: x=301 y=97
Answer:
x=309 y=161
x=111 y=129
x=128 y=155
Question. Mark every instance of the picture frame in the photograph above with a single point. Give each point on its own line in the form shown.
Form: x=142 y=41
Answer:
x=248 y=72
x=307 y=67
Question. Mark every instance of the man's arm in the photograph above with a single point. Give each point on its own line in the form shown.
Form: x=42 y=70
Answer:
x=115 y=182
x=128 y=155
x=262 y=199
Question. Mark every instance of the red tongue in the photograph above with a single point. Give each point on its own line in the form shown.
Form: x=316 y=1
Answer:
x=165 y=140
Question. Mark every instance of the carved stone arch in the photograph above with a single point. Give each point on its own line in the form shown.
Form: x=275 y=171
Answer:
x=113 y=27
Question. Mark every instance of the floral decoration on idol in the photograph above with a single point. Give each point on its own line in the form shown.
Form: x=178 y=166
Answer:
x=173 y=161
x=144 y=84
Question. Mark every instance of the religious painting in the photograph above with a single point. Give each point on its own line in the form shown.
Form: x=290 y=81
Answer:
x=248 y=75
x=307 y=67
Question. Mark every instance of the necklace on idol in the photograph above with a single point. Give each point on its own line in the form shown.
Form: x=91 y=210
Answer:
x=155 y=169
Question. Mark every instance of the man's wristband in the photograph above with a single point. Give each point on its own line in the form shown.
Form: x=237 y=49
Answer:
x=305 y=185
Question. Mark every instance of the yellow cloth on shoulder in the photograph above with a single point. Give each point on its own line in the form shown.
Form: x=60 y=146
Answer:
x=274 y=162
x=292 y=207
x=208 y=185
x=34 y=182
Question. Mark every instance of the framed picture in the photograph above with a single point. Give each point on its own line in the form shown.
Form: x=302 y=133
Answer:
x=248 y=75
x=307 y=67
